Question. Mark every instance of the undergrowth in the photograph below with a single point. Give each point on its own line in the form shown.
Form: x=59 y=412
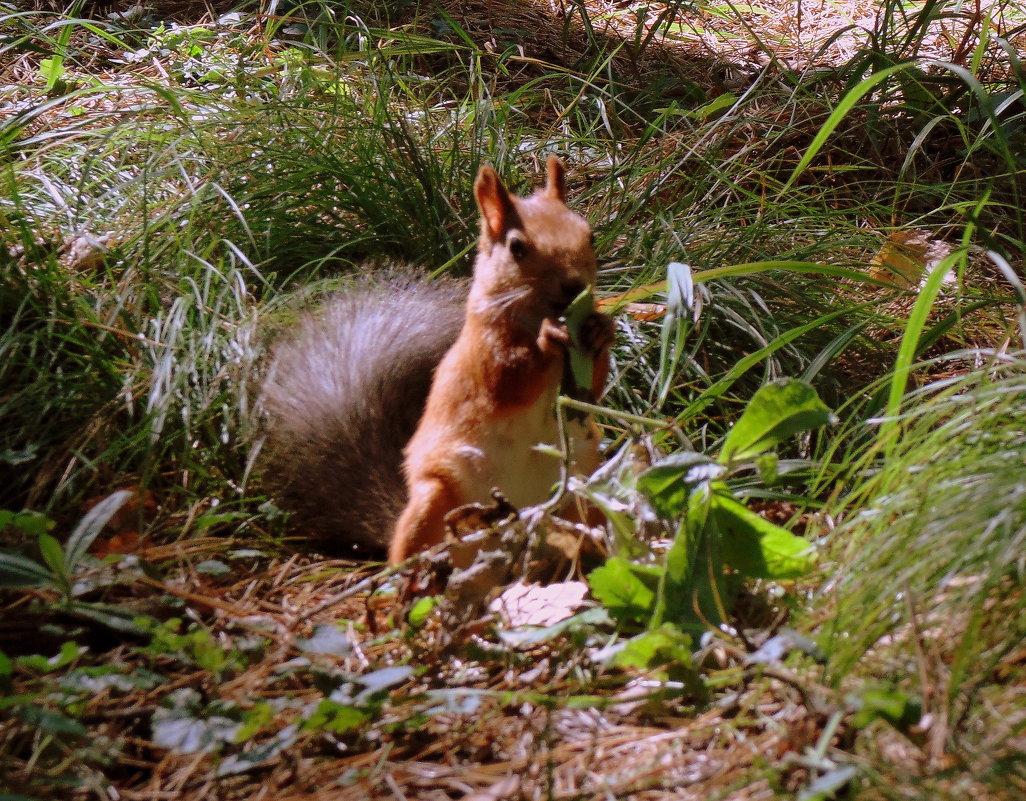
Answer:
x=168 y=191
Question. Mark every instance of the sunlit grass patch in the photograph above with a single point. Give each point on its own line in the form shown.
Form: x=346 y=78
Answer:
x=169 y=194
x=928 y=594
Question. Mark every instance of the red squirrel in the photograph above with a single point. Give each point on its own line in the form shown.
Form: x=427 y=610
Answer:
x=347 y=386
x=493 y=397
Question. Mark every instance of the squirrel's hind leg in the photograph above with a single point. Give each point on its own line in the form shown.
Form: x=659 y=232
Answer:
x=422 y=523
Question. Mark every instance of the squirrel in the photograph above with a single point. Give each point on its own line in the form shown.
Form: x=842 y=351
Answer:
x=345 y=391
x=493 y=397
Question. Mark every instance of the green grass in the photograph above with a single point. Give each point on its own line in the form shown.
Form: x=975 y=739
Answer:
x=931 y=587
x=257 y=166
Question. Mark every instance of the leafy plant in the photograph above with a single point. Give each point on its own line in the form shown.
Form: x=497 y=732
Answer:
x=718 y=541
x=59 y=565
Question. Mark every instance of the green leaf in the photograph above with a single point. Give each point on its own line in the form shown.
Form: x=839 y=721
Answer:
x=757 y=548
x=89 y=527
x=336 y=718
x=768 y=465
x=676 y=595
x=886 y=703
x=777 y=411
x=582 y=363
x=421 y=610
x=51 y=70
x=626 y=590
x=254 y=720
x=663 y=653
x=31 y=523
x=19 y=571
x=531 y=636
x=48 y=721
x=260 y=755
x=714 y=106
x=113 y=617
x=53 y=555
x=669 y=482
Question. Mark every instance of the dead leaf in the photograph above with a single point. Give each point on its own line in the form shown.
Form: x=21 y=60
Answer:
x=907 y=256
x=534 y=605
x=84 y=252
x=646 y=312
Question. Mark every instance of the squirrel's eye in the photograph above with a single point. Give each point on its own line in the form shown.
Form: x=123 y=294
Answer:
x=517 y=247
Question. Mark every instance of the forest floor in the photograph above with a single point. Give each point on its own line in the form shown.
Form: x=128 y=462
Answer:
x=190 y=660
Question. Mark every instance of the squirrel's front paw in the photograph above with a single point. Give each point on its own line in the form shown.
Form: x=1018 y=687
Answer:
x=553 y=337
x=597 y=332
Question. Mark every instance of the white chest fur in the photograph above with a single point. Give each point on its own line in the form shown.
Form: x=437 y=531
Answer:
x=507 y=455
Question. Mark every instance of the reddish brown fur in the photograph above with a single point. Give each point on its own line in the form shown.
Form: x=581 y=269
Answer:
x=492 y=398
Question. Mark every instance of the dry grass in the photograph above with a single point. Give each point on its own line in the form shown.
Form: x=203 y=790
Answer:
x=528 y=736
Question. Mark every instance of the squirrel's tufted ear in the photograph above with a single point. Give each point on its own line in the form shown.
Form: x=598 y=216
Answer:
x=498 y=214
x=555 y=184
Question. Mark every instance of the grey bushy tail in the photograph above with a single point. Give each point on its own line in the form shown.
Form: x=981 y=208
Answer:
x=343 y=395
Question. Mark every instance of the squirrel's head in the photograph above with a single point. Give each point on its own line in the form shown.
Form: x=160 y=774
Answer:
x=533 y=243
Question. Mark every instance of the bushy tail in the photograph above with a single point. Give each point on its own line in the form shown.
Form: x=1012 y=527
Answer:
x=345 y=390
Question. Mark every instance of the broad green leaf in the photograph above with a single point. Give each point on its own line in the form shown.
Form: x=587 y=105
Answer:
x=626 y=590
x=19 y=571
x=651 y=648
x=581 y=362
x=676 y=593
x=887 y=703
x=757 y=548
x=51 y=70
x=422 y=610
x=336 y=718
x=32 y=523
x=777 y=411
x=254 y=720
x=49 y=721
x=662 y=653
x=669 y=482
x=90 y=526
x=769 y=468
x=53 y=555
